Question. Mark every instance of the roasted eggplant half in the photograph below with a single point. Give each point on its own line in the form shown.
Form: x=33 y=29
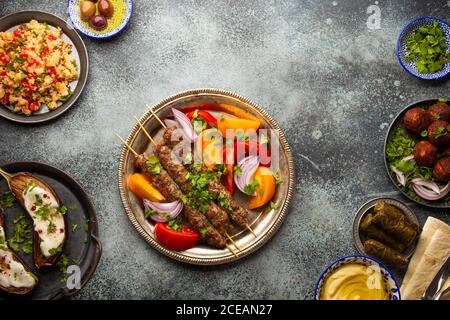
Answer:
x=15 y=275
x=49 y=221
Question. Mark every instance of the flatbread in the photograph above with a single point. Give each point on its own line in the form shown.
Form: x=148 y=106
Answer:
x=430 y=227
x=432 y=260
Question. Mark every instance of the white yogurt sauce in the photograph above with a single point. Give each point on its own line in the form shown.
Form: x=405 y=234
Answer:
x=48 y=222
x=12 y=273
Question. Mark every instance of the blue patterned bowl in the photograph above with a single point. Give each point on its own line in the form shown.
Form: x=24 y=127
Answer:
x=394 y=293
x=123 y=10
x=406 y=33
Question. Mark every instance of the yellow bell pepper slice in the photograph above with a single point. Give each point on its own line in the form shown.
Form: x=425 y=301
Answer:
x=265 y=189
x=141 y=186
x=238 y=112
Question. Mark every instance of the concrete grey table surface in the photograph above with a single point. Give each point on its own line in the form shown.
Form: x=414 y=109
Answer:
x=321 y=68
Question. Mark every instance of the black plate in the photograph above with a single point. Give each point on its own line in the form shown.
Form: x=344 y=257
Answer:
x=19 y=18
x=81 y=246
x=398 y=123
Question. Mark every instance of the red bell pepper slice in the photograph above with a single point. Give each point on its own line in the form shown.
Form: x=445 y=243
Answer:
x=228 y=178
x=251 y=147
x=210 y=120
x=181 y=240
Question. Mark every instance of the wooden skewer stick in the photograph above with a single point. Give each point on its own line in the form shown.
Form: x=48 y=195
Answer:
x=156 y=116
x=127 y=145
x=232 y=241
x=145 y=131
x=251 y=230
x=231 y=249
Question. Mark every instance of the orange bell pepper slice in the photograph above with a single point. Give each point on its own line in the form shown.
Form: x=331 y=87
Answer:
x=238 y=112
x=265 y=189
x=142 y=187
x=236 y=124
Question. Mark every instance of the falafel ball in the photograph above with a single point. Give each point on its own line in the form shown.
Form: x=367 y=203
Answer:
x=438 y=133
x=417 y=120
x=441 y=169
x=440 y=111
x=425 y=154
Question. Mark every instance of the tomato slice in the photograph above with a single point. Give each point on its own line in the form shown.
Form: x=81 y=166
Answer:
x=181 y=240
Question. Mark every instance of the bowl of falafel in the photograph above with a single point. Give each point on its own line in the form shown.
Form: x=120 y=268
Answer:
x=417 y=152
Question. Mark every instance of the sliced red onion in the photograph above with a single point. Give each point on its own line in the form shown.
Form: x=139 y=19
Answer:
x=411 y=157
x=429 y=195
x=248 y=167
x=163 y=209
x=427 y=184
x=185 y=124
x=400 y=176
x=171 y=123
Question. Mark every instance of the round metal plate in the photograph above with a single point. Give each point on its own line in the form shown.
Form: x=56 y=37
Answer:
x=398 y=123
x=82 y=247
x=265 y=224
x=10 y=23
x=359 y=237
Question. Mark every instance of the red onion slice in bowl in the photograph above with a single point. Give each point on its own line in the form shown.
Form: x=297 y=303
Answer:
x=428 y=195
x=400 y=176
x=432 y=186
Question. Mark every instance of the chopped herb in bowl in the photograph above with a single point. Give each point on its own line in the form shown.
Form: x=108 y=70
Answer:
x=428 y=49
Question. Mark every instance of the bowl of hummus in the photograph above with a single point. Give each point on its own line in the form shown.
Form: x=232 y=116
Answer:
x=356 y=277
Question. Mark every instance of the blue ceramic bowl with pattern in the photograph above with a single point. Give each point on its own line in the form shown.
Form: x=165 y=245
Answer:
x=406 y=33
x=387 y=277
x=122 y=12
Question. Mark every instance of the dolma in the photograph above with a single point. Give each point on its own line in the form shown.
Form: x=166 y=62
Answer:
x=390 y=256
x=399 y=229
x=374 y=232
x=395 y=213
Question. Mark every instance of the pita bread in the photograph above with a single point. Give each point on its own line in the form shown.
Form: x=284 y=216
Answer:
x=430 y=227
x=431 y=261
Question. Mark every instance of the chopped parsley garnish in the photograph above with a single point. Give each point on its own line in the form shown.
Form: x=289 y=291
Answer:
x=153 y=165
x=272 y=205
x=424 y=133
x=251 y=187
x=7 y=200
x=38 y=201
x=175 y=224
x=86 y=226
x=148 y=213
x=63 y=210
x=427 y=48
x=54 y=251
x=203 y=231
x=278 y=179
x=440 y=132
x=237 y=170
x=51 y=228
x=241 y=135
x=441 y=99
x=22 y=233
x=74 y=227
x=21 y=41
x=198 y=123
x=29 y=187
x=28 y=247
x=224 y=202
x=63 y=264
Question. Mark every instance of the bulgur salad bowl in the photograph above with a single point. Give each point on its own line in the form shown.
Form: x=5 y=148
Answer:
x=43 y=66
